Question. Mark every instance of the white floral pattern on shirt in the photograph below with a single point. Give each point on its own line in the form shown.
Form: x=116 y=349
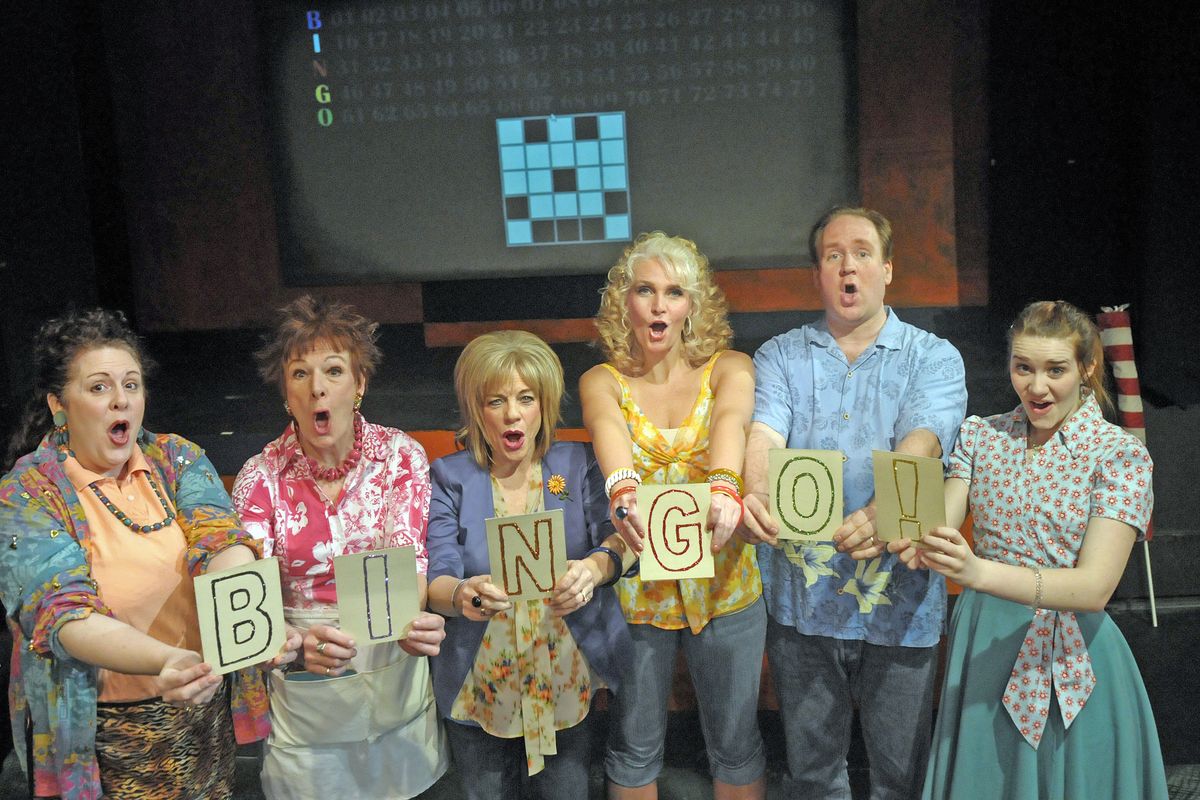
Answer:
x=384 y=503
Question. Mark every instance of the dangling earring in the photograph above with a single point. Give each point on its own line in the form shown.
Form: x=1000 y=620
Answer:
x=287 y=409
x=687 y=327
x=59 y=435
x=358 y=401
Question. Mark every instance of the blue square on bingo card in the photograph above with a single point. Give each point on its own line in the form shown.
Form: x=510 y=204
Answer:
x=564 y=179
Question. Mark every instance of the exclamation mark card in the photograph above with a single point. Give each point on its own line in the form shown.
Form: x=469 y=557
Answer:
x=909 y=498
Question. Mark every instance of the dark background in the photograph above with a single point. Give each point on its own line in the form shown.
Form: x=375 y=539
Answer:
x=1086 y=192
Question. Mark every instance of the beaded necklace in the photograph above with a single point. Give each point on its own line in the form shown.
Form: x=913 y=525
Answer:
x=126 y=521
x=331 y=474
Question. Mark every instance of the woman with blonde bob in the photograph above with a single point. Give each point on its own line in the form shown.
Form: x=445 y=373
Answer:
x=1042 y=697
x=515 y=678
x=672 y=405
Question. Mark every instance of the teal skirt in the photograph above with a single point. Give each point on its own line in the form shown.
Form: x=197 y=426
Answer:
x=1111 y=749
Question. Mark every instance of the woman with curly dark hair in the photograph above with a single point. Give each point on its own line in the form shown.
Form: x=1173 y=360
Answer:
x=105 y=526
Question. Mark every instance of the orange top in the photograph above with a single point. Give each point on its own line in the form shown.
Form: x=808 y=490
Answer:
x=142 y=577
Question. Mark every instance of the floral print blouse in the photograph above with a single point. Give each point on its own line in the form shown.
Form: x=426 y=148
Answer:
x=1033 y=509
x=384 y=503
x=529 y=679
x=691 y=602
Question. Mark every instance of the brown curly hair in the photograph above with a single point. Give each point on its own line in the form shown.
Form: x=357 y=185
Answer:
x=308 y=320
x=706 y=329
x=55 y=347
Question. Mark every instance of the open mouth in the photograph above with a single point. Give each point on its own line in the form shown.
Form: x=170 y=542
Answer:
x=118 y=433
x=658 y=330
x=513 y=440
x=321 y=422
x=1040 y=407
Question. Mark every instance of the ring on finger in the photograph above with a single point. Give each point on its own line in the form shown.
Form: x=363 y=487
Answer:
x=329 y=670
x=321 y=647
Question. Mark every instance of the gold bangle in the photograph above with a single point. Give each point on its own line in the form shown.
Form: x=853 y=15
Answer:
x=727 y=475
x=1037 y=588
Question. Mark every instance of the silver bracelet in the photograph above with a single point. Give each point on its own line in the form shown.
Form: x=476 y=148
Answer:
x=454 y=594
x=1037 y=588
x=618 y=475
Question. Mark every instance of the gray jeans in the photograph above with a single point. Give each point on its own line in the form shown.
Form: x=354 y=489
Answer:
x=819 y=680
x=725 y=663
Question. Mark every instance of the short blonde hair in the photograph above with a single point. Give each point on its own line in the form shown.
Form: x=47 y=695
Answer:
x=706 y=329
x=485 y=365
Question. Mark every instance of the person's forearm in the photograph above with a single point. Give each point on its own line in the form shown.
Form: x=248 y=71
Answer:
x=235 y=556
x=439 y=592
x=727 y=442
x=921 y=442
x=626 y=553
x=762 y=440
x=109 y=643
x=1069 y=589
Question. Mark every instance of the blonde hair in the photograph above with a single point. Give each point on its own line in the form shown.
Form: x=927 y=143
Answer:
x=706 y=329
x=1058 y=319
x=485 y=365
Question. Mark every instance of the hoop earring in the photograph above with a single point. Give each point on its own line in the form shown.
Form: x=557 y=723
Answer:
x=688 y=333
x=358 y=401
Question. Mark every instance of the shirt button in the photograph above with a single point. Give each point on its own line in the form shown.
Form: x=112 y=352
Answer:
x=845 y=416
x=850 y=374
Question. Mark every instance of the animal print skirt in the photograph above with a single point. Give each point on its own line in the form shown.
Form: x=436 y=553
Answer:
x=149 y=750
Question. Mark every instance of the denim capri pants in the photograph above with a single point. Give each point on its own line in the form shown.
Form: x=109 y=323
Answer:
x=725 y=663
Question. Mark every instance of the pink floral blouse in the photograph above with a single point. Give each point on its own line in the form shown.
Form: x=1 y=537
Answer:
x=384 y=503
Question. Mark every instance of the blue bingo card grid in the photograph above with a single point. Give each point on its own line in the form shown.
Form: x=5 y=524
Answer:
x=564 y=179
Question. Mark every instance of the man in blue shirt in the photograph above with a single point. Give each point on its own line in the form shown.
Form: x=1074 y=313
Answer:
x=848 y=624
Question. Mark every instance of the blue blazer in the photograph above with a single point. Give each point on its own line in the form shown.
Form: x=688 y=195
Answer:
x=457 y=542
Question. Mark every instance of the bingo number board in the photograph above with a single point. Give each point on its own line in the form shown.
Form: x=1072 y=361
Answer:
x=565 y=179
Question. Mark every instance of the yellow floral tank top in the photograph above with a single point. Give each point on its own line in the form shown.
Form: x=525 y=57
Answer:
x=529 y=678
x=691 y=602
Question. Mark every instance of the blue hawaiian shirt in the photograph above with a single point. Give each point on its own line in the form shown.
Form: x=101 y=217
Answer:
x=808 y=392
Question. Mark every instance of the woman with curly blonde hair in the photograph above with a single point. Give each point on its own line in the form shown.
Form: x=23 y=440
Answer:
x=672 y=405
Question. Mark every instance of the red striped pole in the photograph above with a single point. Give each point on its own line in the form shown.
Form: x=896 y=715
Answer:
x=1117 y=337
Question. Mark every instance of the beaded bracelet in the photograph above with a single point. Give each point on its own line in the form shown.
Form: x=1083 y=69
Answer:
x=1037 y=588
x=618 y=475
x=727 y=475
x=725 y=490
x=616 y=561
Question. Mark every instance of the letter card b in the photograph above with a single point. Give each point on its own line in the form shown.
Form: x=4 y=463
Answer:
x=240 y=612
